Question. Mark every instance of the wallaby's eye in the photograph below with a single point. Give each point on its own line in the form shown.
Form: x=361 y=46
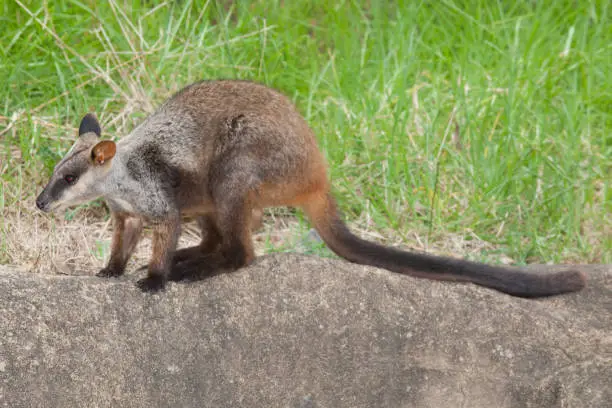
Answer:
x=70 y=179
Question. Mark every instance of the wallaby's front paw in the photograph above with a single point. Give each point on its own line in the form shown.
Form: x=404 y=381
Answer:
x=109 y=273
x=151 y=284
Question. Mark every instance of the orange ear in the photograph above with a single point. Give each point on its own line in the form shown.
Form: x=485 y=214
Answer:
x=103 y=151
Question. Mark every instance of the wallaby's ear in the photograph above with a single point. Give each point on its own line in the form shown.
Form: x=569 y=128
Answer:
x=103 y=152
x=89 y=123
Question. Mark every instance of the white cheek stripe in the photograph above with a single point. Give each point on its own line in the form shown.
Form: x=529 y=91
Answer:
x=82 y=191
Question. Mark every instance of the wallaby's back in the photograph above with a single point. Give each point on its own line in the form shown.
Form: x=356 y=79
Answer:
x=211 y=117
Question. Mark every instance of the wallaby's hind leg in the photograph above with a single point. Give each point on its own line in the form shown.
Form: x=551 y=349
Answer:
x=211 y=239
x=126 y=233
x=233 y=220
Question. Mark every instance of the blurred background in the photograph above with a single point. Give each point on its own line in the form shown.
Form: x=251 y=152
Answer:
x=479 y=129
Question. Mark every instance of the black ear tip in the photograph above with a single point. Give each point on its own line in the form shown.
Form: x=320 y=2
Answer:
x=89 y=123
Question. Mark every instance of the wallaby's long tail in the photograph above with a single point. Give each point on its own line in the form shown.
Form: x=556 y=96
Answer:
x=323 y=213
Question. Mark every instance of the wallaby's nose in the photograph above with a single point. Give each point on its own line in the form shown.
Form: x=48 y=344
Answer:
x=40 y=203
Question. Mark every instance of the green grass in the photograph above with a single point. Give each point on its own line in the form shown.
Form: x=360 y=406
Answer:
x=488 y=121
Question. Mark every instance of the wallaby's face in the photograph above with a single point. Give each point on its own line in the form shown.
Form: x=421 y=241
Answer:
x=78 y=176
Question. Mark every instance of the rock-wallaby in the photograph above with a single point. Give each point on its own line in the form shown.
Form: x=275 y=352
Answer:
x=220 y=150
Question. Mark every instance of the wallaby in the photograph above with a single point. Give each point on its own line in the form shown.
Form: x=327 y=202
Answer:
x=220 y=151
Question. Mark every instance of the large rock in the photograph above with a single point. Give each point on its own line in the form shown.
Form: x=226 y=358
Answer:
x=295 y=331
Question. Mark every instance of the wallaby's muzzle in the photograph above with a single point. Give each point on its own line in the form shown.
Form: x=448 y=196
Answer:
x=43 y=202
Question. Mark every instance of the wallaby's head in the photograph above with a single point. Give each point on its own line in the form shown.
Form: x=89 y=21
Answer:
x=78 y=177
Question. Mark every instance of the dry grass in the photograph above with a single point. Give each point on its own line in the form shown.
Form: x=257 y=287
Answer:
x=51 y=244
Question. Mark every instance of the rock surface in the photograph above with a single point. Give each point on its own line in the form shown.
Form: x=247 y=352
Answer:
x=303 y=332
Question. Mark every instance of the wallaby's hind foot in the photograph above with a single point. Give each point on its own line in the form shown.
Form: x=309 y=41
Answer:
x=197 y=268
x=151 y=284
x=189 y=254
x=181 y=255
x=185 y=254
